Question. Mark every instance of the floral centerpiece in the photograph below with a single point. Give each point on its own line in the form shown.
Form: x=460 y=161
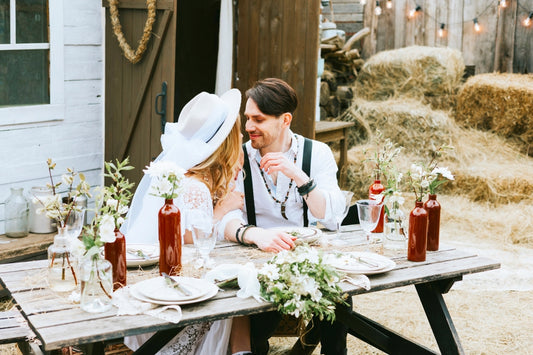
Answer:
x=61 y=261
x=98 y=274
x=167 y=183
x=301 y=284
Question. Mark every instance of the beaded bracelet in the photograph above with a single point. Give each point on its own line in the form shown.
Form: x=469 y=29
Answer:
x=237 y=233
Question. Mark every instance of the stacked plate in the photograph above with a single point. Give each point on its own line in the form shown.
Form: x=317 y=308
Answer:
x=158 y=291
x=308 y=235
x=360 y=262
x=141 y=254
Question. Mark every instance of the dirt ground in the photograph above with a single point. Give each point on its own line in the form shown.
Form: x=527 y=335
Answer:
x=492 y=311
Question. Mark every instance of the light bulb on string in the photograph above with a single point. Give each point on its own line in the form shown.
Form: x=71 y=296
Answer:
x=503 y=4
x=377 y=9
x=441 y=31
x=477 y=27
x=362 y=2
x=528 y=20
x=389 y=4
x=414 y=11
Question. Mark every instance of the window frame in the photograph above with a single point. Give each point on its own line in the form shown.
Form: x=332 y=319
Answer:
x=55 y=110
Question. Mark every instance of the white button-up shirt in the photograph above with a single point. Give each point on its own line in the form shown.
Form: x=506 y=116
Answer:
x=268 y=212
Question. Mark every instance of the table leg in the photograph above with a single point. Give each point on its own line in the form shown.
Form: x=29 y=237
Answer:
x=377 y=335
x=430 y=295
x=157 y=341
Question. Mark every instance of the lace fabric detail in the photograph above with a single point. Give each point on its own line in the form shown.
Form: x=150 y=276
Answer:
x=187 y=340
x=195 y=195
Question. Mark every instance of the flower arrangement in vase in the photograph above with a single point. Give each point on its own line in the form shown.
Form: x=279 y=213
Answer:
x=166 y=183
x=61 y=261
x=384 y=155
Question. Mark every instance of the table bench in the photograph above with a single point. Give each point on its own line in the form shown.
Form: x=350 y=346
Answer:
x=335 y=131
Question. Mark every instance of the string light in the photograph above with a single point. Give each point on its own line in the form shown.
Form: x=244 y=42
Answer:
x=413 y=12
x=527 y=21
x=503 y=4
x=362 y=2
x=477 y=28
x=377 y=10
x=389 y=4
x=441 y=31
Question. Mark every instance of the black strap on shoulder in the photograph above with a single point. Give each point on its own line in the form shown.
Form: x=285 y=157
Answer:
x=248 y=188
x=306 y=167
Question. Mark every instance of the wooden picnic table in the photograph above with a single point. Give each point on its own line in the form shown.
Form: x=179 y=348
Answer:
x=57 y=322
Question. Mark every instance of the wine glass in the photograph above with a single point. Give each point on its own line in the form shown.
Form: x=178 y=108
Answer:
x=369 y=211
x=203 y=235
x=347 y=196
x=74 y=223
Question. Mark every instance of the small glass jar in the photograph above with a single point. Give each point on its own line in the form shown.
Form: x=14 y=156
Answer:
x=62 y=265
x=17 y=209
x=39 y=222
x=96 y=285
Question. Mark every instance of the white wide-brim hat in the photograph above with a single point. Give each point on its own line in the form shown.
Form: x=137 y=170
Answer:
x=204 y=122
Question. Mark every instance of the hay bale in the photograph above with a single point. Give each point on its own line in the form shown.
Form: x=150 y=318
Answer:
x=502 y=103
x=406 y=122
x=428 y=73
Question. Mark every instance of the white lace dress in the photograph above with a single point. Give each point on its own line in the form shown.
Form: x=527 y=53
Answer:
x=205 y=338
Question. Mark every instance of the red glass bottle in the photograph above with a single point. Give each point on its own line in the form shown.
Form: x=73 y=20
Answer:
x=418 y=226
x=432 y=206
x=115 y=253
x=375 y=192
x=169 y=219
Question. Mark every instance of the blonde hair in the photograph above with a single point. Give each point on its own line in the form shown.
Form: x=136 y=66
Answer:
x=221 y=166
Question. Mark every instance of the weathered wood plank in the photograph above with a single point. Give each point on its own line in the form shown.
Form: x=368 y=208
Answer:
x=455 y=24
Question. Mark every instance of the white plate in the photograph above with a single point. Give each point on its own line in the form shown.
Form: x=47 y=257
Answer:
x=360 y=262
x=150 y=250
x=304 y=234
x=158 y=289
x=212 y=290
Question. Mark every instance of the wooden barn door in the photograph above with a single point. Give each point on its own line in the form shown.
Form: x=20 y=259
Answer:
x=132 y=125
x=280 y=39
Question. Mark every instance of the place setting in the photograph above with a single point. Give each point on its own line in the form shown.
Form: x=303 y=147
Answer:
x=360 y=262
x=141 y=255
x=309 y=235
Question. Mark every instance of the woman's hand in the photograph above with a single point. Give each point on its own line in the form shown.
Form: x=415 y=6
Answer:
x=233 y=201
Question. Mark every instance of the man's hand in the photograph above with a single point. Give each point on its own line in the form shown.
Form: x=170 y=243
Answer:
x=276 y=162
x=268 y=240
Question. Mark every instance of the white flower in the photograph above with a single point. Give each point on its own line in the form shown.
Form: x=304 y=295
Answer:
x=120 y=221
x=123 y=209
x=111 y=202
x=77 y=248
x=424 y=183
x=444 y=172
x=163 y=168
x=107 y=229
x=397 y=198
x=162 y=187
x=270 y=271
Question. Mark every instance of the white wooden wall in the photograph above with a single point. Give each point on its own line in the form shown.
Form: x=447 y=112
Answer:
x=77 y=140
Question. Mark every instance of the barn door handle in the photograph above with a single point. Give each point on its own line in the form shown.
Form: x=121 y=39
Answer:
x=163 y=111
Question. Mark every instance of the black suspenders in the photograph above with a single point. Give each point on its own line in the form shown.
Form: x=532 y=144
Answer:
x=248 y=186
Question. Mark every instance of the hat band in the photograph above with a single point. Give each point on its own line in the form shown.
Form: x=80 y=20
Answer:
x=210 y=129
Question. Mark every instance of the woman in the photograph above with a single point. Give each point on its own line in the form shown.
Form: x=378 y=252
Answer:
x=206 y=141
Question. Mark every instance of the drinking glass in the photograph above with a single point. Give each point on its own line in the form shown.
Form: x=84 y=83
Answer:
x=203 y=235
x=74 y=223
x=340 y=217
x=369 y=211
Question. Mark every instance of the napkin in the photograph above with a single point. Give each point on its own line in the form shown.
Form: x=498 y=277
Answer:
x=129 y=305
x=246 y=277
x=358 y=280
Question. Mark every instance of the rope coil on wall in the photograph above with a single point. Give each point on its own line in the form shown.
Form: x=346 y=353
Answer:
x=132 y=56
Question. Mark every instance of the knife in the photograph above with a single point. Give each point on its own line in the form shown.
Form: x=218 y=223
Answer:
x=175 y=284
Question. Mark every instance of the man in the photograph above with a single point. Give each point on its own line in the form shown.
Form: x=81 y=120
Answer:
x=282 y=192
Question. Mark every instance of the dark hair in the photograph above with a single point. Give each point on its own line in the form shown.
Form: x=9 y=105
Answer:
x=273 y=96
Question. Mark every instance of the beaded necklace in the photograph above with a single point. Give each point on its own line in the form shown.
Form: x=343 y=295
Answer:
x=283 y=203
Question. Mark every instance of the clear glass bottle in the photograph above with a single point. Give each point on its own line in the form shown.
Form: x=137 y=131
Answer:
x=62 y=265
x=17 y=209
x=96 y=285
x=39 y=222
